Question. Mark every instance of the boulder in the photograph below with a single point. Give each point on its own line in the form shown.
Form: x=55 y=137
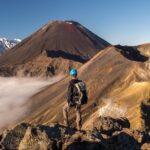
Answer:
x=110 y=134
x=108 y=125
x=145 y=111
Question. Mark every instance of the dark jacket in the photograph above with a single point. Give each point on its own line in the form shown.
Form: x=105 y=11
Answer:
x=71 y=90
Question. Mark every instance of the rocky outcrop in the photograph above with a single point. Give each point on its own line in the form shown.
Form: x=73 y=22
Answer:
x=11 y=139
x=42 y=66
x=58 y=137
x=108 y=125
x=53 y=137
x=145 y=110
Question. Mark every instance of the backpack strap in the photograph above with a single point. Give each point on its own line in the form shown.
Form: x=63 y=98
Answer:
x=81 y=94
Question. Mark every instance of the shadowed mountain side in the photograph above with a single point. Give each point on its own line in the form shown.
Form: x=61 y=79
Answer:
x=107 y=75
x=131 y=53
x=66 y=39
x=60 y=53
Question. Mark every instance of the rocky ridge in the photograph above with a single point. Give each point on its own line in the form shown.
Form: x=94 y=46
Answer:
x=107 y=134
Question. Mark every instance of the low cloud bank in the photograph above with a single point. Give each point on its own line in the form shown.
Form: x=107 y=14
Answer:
x=14 y=93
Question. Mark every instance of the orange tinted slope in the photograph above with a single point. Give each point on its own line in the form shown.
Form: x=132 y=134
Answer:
x=103 y=74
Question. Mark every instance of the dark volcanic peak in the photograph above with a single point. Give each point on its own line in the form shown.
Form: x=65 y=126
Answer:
x=68 y=40
x=67 y=36
x=74 y=33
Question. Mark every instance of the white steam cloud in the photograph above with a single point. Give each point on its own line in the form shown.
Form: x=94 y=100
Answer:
x=112 y=109
x=14 y=93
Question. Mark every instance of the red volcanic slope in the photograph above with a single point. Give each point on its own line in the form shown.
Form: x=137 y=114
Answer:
x=67 y=39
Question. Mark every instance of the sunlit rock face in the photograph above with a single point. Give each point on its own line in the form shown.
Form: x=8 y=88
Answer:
x=108 y=134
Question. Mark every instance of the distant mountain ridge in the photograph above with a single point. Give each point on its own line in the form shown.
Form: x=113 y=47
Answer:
x=7 y=44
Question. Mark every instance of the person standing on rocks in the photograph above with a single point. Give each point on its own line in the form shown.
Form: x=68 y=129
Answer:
x=77 y=96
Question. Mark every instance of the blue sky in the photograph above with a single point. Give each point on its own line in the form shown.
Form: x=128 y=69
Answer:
x=117 y=21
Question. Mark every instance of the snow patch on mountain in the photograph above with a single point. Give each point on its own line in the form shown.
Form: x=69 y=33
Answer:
x=6 y=44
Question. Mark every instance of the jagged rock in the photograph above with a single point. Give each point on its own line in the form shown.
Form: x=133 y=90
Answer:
x=36 y=139
x=45 y=137
x=138 y=135
x=127 y=139
x=123 y=141
x=53 y=137
x=58 y=137
x=108 y=125
x=11 y=139
x=83 y=140
x=145 y=110
x=145 y=146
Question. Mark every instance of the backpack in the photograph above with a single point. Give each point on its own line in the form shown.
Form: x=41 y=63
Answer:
x=81 y=92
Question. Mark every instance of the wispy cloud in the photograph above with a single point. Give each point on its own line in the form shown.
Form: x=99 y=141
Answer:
x=112 y=109
x=14 y=93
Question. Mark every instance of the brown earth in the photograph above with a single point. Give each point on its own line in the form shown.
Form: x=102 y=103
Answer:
x=117 y=82
x=144 y=48
x=118 y=85
x=53 y=49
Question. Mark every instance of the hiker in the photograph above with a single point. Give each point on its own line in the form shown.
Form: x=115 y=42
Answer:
x=76 y=97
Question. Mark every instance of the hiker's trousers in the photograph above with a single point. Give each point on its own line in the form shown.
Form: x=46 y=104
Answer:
x=66 y=110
